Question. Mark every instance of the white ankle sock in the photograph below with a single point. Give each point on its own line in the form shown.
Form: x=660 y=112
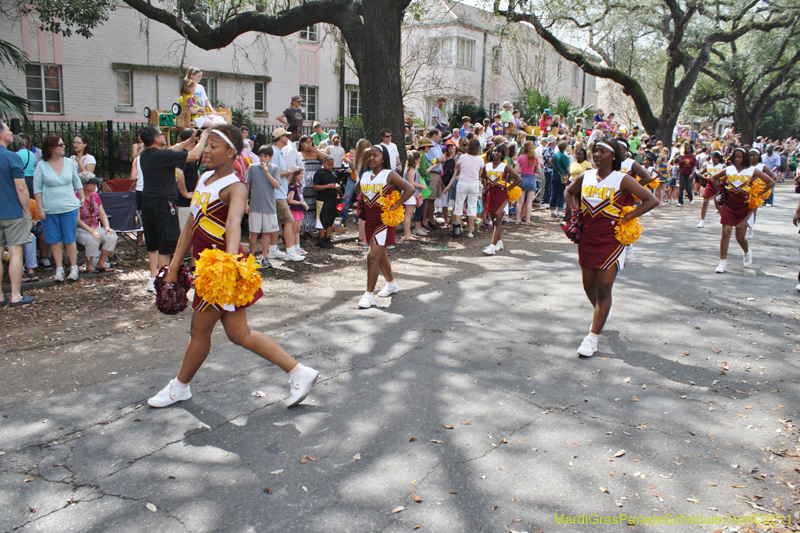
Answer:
x=272 y=248
x=296 y=370
x=180 y=385
x=595 y=335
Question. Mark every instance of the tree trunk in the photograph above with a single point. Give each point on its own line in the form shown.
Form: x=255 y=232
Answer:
x=375 y=49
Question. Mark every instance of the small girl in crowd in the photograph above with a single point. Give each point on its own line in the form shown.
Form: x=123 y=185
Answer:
x=673 y=181
x=297 y=205
x=410 y=174
x=200 y=116
x=661 y=168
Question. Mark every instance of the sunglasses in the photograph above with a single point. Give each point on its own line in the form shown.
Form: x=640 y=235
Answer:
x=387 y=135
x=61 y=145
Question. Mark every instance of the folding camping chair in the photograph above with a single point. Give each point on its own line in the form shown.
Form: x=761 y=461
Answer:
x=120 y=207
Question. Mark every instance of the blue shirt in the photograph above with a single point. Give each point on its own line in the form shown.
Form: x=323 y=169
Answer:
x=771 y=161
x=435 y=153
x=10 y=170
x=58 y=190
x=279 y=161
x=28 y=159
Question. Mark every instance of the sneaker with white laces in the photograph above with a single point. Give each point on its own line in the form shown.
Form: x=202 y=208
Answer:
x=59 y=275
x=701 y=224
x=366 y=301
x=389 y=289
x=489 y=250
x=498 y=246
x=721 y=267
x=73 y=273
x=264 y=262
x=170 y=394
x=747 y=258
x=291 y=255
x=588 y=346
x=276 y=254
x=300 y=251
x=151 y=285
x=301 y=385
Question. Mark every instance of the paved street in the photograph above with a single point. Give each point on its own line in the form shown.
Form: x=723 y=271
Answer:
x=464 y=392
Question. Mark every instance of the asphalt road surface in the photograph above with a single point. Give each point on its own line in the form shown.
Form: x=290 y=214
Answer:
x=458 y=406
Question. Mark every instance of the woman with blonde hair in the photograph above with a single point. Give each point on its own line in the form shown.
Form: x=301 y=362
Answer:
x=207 y=115
x=528 y=164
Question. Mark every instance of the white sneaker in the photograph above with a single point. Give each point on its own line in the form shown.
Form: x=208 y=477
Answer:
x=389 y=289
x=366 y=301
x=170 y=394
x=301 y=385
x=276 y=254
x=747 y=258
x=73 y=273
x=300 y=251
x=748 y=234
x=151 y=285
x=701 y=224
x=588 y=346
x=797 y=288
x=291 y=255
x=59 y=275
x=721 y=267
x=489 y=250
x=498 y=246
x=470 y=235
x=691 y=202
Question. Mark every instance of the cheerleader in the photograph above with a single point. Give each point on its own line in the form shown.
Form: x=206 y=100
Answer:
x=755 y=161
x=737 y=180
x=631 y=168
x=495 y=179
x=600 y=192
x=380 y=181
x=216 y=215
x=710 y=191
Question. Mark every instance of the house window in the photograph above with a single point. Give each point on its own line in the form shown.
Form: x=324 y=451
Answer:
x=452 y=52
x=210 y=85
x=261 y=96
x=560 y=66
x=494 y=109
x=309 y=34
x=353 y=102
x=44 y=88
x=590 y=83
x=465 y=53
x=497 y=58
x=125 y=88
x=576 y=76
x=309 y=95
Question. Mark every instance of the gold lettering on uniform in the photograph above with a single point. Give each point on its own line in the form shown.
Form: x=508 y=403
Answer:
x=201 y=200
x=603 y=193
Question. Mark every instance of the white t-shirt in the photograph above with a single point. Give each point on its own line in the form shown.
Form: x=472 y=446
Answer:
x=200 y=96
x=337 y=152
x=596 y=134
x=291 y=156
x=394 y=154
x=471 y=166
x=139 y=175
x=87 y=159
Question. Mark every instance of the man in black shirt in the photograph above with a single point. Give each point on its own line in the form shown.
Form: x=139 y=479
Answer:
x=293 y=116
x=187 y=182
x=159 y=209
x=327 y=186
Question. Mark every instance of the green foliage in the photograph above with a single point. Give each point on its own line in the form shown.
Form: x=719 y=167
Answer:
x=469 y=109
x=240 y=114
x=355 y=121
x=66 y=17
x=10 y=103
x=782 y=121
x=534 y=102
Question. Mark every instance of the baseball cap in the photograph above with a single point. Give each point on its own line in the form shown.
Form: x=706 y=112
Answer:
x=278 y=133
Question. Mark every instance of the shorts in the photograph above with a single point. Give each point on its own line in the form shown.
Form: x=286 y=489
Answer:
x=467 y=192
x=160 y=224
x=326 y=213
x=285 y=215
x=263 y=222
x=673 y=182
x=435 y=185
x=528 y=182
x=183 y=215
x=17 y=231
x=60 y=228
x=139 y=200
x=297 y=215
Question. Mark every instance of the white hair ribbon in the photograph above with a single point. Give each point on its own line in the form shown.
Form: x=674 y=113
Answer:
x=224 y=137
x=604 y=145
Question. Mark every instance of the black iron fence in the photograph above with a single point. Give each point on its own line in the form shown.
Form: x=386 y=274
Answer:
x=111 y=142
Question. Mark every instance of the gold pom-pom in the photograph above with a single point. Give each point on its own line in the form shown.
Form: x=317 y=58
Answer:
x=754 y=200
x=390 y=217
x=652 y=184
x=249 y=281
x=223 y=279
x=514 y=194
x=631 y=230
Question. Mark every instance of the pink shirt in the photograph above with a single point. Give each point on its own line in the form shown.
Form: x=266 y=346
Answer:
x=526 y=167
x=90 y=210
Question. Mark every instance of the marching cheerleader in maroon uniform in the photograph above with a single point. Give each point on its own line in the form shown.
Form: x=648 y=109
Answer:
x=600 y=193
x=216 y=215
x=495 y=178
x=380 y=181
x=737 y=180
